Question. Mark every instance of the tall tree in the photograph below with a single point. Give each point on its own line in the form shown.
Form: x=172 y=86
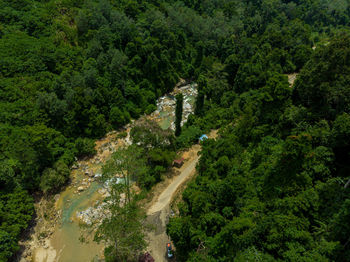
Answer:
x=178 y=114
x=202 y=85
x=123 y=227
x=129 y=163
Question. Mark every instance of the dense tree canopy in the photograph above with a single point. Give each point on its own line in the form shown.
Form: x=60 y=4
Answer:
x=273 y=187
x=72 y=70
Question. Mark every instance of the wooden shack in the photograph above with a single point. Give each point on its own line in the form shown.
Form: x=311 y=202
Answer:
x=178 y=162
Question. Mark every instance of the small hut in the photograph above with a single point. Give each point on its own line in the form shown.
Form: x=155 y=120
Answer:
x=178 y=162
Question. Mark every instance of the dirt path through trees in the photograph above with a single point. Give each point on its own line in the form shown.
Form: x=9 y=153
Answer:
x=159 y=211
x=166 y=196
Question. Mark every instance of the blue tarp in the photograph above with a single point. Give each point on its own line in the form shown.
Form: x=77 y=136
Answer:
x=203 y=137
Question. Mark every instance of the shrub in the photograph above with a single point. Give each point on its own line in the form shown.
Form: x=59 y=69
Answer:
x=188 y=136
x=122 y=135
x=150 y=108
x=116 y=117
x=85 y=147
x=54 y=178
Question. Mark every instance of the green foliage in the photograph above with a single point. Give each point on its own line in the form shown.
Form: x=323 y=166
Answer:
x=319 y=86
x=158 y=150
x=73 y=70
x=16 y=210
x=189 y=136
x=178 y=114
x=8 y=245
x=340 y=132
x=202 y=86
x=273 y=185
x=127 y=162
x=123 y=134
x=85 y=147
x=149 y=135
x=150 y=109
x=117 y=117
x=54 y=178
x=124 y=228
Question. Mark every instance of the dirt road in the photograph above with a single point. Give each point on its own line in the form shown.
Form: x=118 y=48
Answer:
x=165 y=197
x=158 y=212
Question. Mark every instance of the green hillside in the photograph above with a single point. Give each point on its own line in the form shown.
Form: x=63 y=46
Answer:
x=272 y=187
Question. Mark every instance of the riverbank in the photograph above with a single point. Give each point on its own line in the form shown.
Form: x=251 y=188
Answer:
x=56 y=233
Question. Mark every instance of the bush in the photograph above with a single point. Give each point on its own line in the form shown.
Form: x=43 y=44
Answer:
x=67 y=157
x=117 y=117
x=157 y=172
x=16 y=211
x=150 y=108
x=54 y=178
x=123 y=134
x=188 y=136
x=110 y=254
x=146 y=181
x=85 y=147
x=8 y=245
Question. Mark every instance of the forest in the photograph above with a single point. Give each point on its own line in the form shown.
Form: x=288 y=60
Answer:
x=273 y=187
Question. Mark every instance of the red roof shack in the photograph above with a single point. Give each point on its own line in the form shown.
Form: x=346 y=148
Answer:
x=178 y=162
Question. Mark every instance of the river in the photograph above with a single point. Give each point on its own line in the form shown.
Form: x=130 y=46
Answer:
x=85 y=191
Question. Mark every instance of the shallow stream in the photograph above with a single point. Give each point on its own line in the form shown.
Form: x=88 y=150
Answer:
x=66 y=237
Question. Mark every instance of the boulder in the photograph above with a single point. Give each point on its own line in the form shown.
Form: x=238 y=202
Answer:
x=89 y=173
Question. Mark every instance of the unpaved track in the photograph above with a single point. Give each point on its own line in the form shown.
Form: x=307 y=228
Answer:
x=158 y=212
x=165 y=197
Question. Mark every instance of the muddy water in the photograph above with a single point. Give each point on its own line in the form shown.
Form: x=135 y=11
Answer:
x=167 y=119
x=66 y=237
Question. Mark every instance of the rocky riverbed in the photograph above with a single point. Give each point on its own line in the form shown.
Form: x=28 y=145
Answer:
x=165 y=113
x=55 y=236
